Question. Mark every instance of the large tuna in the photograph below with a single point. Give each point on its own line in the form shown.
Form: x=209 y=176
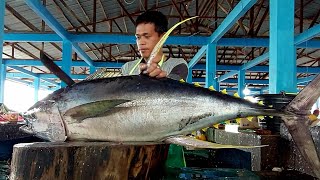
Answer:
x=143 y=109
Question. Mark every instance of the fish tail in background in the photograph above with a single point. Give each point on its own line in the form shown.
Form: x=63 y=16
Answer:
x=297 y=123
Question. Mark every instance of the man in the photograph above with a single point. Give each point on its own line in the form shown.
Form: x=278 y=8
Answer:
x=150 y=27
x=314 y=118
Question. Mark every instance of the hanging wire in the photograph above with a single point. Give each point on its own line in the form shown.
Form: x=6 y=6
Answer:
x=142 y=6
x=129 y=2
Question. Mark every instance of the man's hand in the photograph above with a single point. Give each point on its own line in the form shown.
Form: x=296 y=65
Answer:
x=152 y=69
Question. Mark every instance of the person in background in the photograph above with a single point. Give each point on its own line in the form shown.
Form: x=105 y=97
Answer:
x=150 y=27
x=316 y=112
x=314 y=118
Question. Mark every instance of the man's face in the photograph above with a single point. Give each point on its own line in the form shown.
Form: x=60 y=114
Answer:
x=147 y=38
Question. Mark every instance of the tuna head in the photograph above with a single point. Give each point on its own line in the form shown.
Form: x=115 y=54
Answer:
x=44 y=121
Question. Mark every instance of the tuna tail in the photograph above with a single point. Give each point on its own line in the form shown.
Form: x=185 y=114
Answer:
x=297 y=123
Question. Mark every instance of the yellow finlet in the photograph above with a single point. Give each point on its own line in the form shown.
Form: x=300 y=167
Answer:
x=182 y=81
x=238 y=120
x=260 y=103
x=211 y=88
x=250 y=118
x=312 y=117
x=236 y=95
x=216 y=126
x=201 y=137
x=228 y=122
x=260 y=117
x=270 y=116
x=196 y=84
x=224 y=91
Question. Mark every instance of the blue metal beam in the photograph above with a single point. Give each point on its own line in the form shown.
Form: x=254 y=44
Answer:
x=255 y=62
x=51 y=82
x=82 y=76
x=197 y=57
x=31 y=37
x=44 y=14
x=306 y=79
x=300 y=81
x=73 y=76
x=66 y=59
x=37 y=62
x=35 y=75
x=130 y=39
x=307 y=34
x=236 y=89
x=189 y=77
x=282 y=62
x=45 y=76
x=246 y=66
x=41 y=11
x=36 y=85
x=82 y=54
x=103 y=38
x=92 y=69
x=21 y=62
x=313 y=44
x=226 y=76
x=2 y=79
x=244 y=42
x=238 y=11
x=211 y=65
x=24 y=71
x=2 y=66
x=217 y=86
x=42 y=85
x=249 y=81
x=235 y=81
x=241 y=82
x=301 y=38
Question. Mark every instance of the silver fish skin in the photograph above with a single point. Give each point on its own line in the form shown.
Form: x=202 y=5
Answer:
x=134 y=108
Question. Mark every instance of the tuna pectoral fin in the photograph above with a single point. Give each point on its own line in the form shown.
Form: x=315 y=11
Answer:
x=93 y=109
x=192 y=142
x=302 y=137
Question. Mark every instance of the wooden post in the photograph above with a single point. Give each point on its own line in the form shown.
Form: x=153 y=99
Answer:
x=87 y=160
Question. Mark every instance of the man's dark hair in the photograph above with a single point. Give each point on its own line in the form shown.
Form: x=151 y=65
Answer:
x=157 y=18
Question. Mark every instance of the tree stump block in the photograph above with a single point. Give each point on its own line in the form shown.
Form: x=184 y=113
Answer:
x=87 y=160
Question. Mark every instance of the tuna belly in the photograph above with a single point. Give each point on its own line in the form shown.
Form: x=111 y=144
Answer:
x=136 y=123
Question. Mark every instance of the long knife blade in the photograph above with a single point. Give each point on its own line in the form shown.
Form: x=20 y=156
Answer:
x=55 y=69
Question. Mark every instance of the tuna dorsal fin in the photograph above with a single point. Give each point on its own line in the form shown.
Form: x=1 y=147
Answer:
x=93 y=109
x=196 y=143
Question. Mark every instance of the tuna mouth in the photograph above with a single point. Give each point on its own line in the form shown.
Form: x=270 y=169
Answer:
x=27 y=128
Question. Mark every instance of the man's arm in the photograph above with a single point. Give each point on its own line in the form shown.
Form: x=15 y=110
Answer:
x=179 y=72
